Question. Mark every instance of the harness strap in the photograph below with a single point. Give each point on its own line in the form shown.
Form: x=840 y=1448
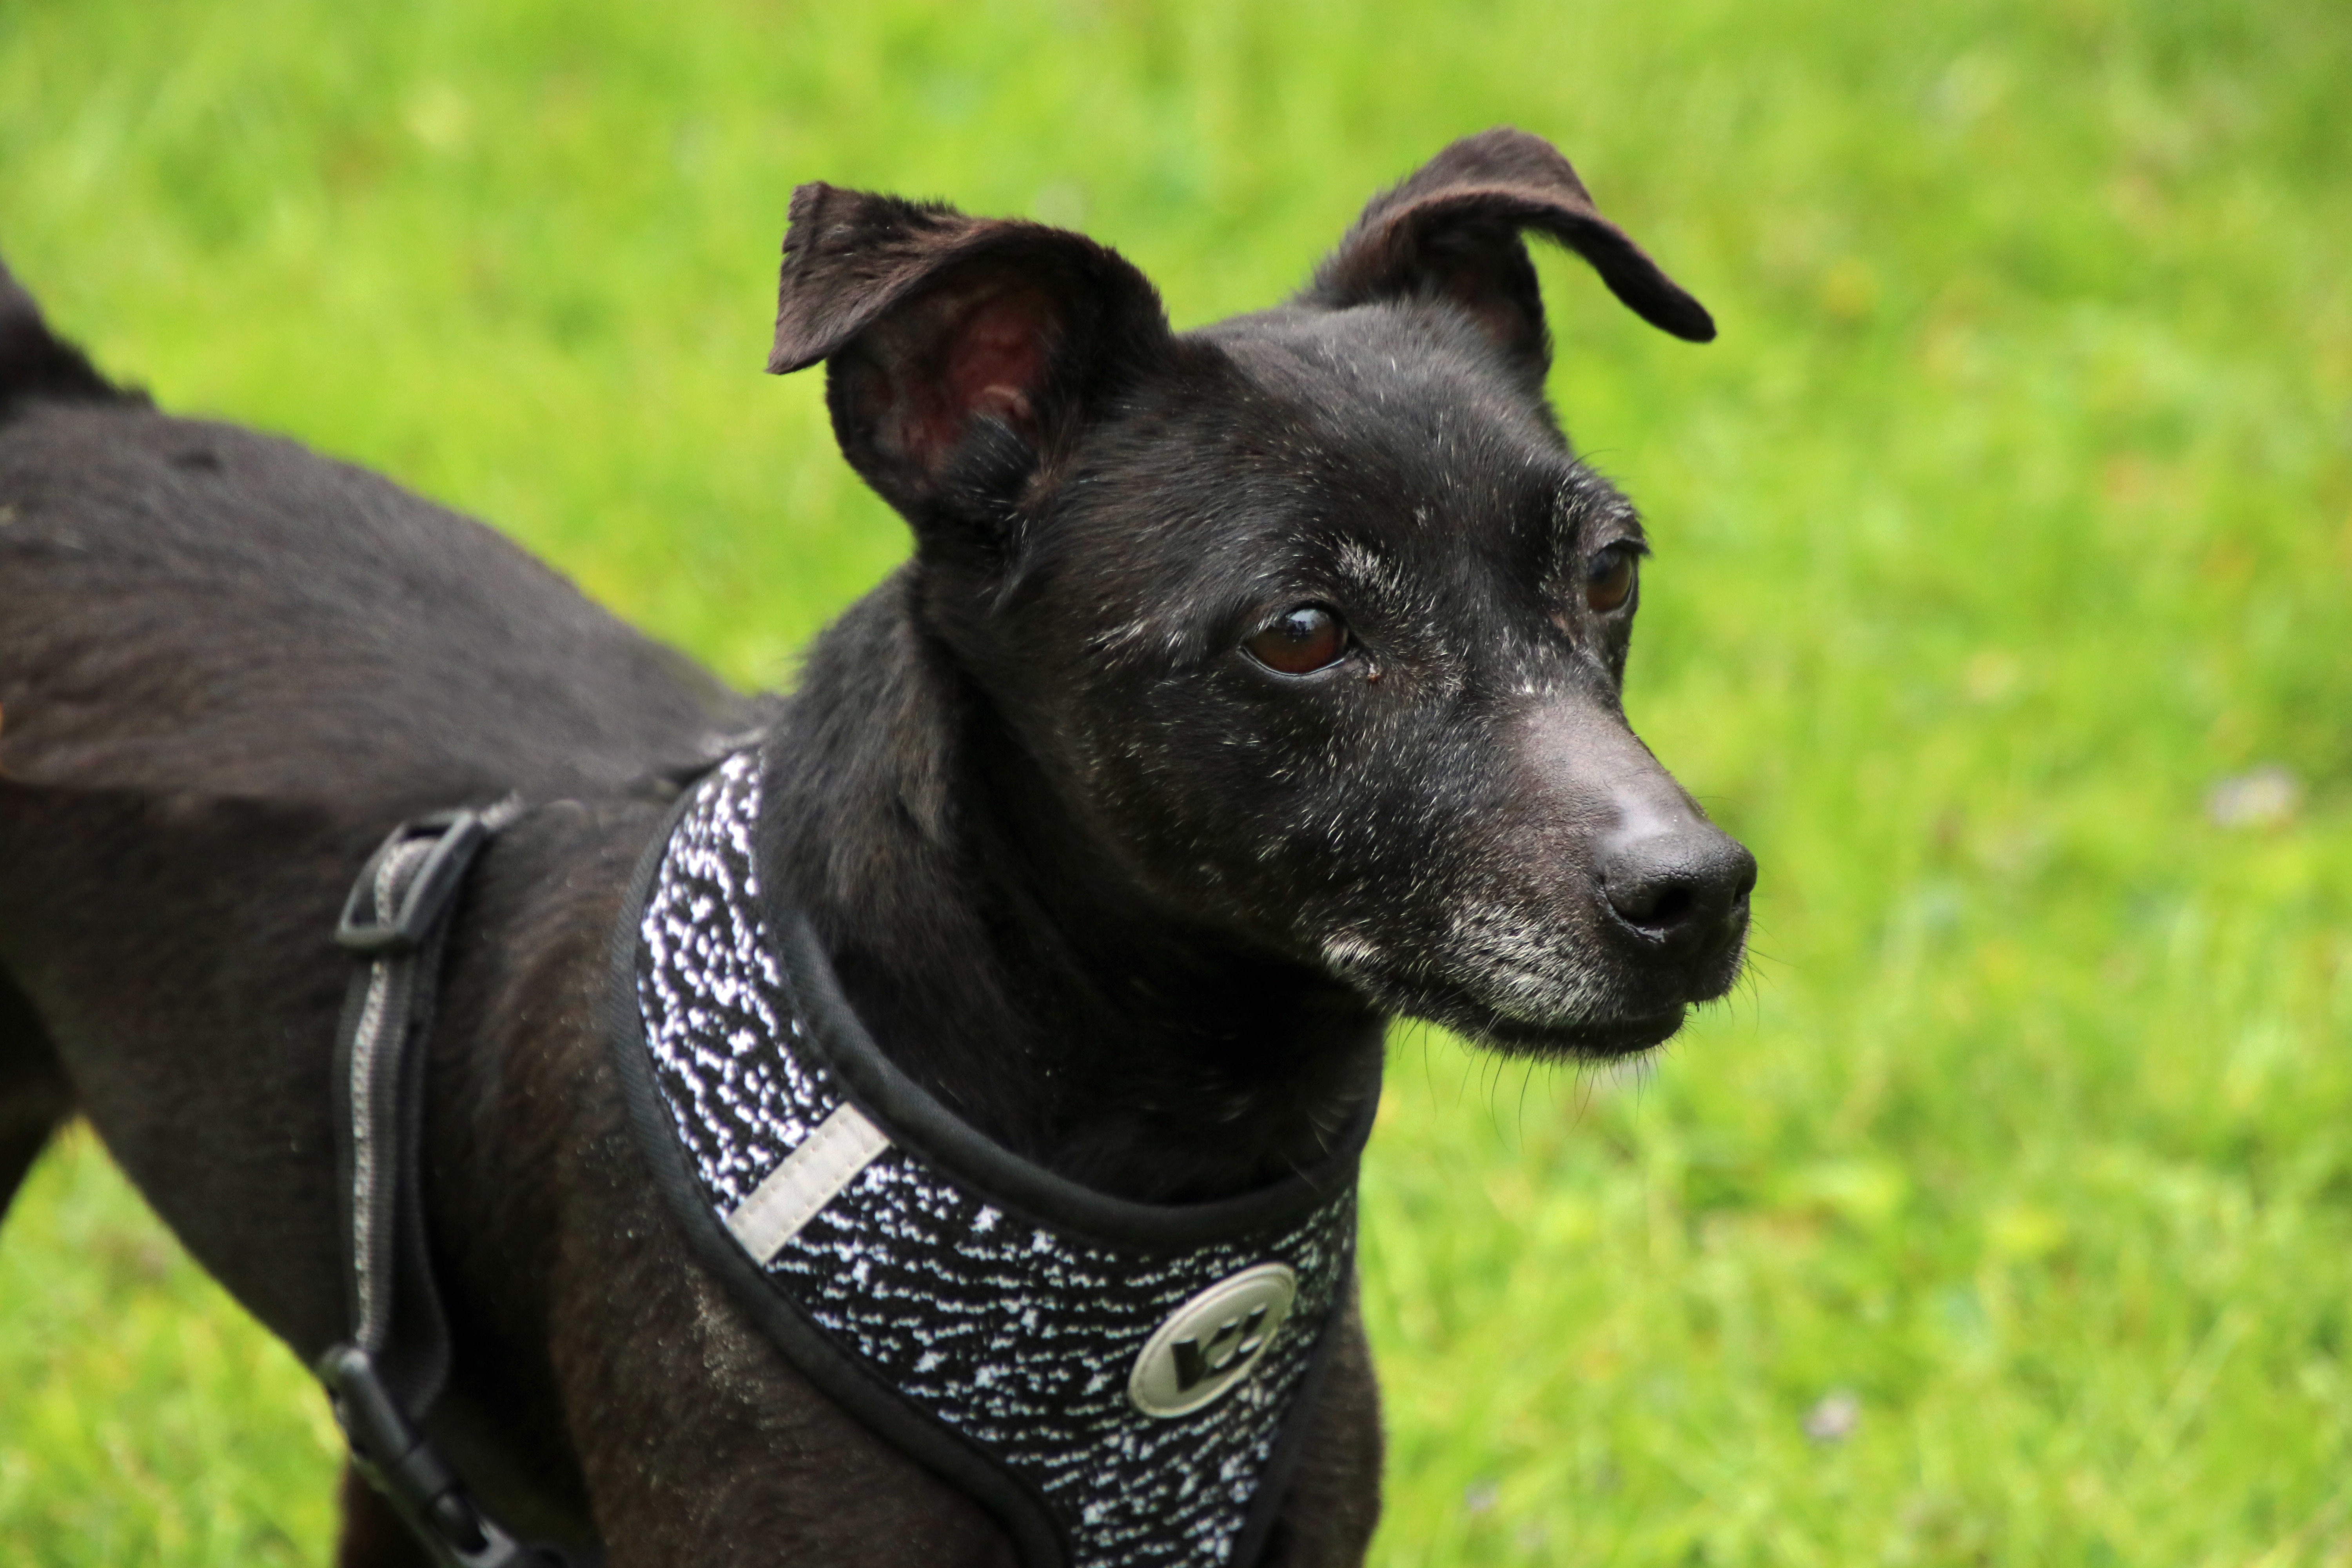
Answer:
x=387 y=1374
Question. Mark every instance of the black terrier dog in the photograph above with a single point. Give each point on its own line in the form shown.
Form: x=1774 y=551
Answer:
x=1247 y=687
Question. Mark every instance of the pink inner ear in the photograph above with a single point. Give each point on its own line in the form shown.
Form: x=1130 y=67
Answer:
x=1478 y=286
x=995 y=364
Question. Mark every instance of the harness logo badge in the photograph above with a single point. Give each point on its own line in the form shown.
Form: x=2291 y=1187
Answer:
x=1211 y=1343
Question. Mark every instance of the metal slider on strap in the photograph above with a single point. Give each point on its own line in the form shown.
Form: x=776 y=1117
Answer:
x=365 y=928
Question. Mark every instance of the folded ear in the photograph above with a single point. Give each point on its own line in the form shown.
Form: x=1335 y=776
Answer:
x=1452 y=231
x=963 y=352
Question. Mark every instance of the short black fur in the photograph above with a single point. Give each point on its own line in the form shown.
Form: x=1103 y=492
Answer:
x=1129 y=900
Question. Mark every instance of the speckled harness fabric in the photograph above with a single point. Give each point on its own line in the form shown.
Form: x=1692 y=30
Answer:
x=979 y=1311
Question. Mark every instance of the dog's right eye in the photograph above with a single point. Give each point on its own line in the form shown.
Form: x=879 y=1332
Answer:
x=1609 y=580
x=1302 y=640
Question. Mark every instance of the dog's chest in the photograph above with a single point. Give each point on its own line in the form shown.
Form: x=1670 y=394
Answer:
x=1117 y=1381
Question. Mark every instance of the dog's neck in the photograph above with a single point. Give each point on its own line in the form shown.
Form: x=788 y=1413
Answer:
x=1014 y=976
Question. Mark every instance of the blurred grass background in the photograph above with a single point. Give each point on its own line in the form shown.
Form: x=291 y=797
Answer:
x=2006 y=1215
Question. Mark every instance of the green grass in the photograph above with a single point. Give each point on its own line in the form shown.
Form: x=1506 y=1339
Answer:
x=2012 y=511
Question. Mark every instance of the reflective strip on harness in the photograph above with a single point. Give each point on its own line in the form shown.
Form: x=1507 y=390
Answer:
x=843 y=1145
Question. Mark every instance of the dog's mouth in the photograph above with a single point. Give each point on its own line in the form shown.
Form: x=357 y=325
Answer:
x=1524 y=991
x=1578 y=1038
x=1537 y=1015
x=1601 y=1040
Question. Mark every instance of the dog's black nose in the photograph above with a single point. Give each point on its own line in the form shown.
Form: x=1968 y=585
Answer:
x=1686 y=886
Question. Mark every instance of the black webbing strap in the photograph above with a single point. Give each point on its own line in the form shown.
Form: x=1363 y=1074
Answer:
x=387 y=1374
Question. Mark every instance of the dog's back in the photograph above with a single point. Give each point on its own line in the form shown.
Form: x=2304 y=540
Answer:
x=228 y=666
x=190 y=609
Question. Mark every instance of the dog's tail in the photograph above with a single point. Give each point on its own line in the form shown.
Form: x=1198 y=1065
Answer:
x=37 y=362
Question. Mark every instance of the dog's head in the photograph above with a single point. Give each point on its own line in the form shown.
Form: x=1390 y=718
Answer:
x=1308 y=625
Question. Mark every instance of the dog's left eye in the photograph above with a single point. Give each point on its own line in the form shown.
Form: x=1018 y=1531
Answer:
x=1609 y=580
x=1302 y=640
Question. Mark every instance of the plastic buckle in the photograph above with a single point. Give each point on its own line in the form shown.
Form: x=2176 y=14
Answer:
x=457 y=835
x=409 y=1471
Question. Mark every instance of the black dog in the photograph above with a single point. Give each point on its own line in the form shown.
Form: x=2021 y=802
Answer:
x=1247 y=687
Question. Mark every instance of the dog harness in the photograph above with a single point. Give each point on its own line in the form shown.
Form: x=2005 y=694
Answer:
x=1116 y=1381
x=386 y=1376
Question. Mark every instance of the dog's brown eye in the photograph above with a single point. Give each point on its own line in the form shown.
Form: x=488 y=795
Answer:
x=1301 y=641
x=1609 y=580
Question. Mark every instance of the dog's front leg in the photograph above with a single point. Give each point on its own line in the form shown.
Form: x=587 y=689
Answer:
x=1335 y=1496
x=702 y=1446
